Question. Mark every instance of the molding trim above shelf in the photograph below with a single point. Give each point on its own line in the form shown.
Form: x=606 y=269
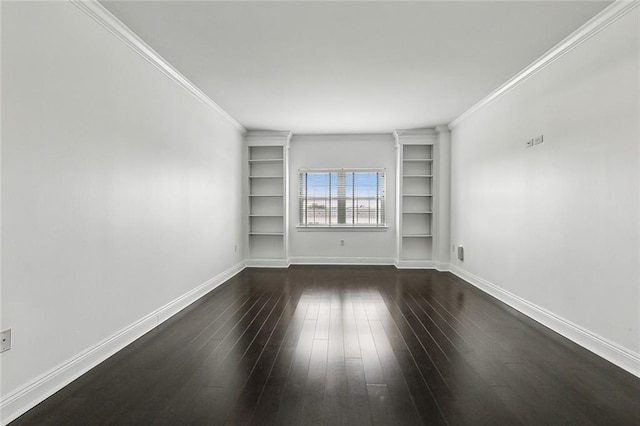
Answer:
x=415 y=137
x=268 y=138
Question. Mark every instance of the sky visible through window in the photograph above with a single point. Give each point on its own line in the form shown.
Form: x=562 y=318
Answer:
x=342 y=198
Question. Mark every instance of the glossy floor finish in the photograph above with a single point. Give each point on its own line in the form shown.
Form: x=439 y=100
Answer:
x=347 y=346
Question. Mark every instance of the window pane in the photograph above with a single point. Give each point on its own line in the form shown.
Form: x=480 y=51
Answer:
x=342 y=198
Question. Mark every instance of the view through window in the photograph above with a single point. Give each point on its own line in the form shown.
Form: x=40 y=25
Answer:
x=342 y=198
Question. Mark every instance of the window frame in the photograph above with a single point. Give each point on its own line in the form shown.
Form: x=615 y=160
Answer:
x=381 y=197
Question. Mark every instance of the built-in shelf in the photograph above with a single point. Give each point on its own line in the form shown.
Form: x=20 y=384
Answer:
x=267 y=157
x=415 y=198
x=266 y=160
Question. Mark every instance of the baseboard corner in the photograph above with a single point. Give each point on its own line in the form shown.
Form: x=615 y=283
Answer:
x=604 y=348
x=27 y=396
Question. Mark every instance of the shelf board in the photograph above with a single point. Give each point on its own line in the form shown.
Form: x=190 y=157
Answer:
x=417 y=236
x=265 y=195
x=267 y=160
x=265 y=215
x=418 y=212
x=418 y=176
x=266 y=177
x=417 y=159
x=417 y=195
x=276 y=234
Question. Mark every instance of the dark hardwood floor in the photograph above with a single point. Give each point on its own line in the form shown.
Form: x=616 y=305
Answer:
x=347 y=346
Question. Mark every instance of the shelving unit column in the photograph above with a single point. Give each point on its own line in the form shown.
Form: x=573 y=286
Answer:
x=415 y=150
x=267 y=187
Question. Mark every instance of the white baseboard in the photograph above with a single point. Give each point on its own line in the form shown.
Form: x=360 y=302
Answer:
x=341 y=261
x=443 y=267
x=267 y=263
x=612 y=352
x=26 y=397
x=416 y=264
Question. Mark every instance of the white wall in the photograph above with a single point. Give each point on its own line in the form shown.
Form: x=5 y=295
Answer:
x=342 y=151
x=558 y=224
x=120 y=190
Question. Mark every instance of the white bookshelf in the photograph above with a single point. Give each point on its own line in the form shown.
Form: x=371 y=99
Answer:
x=415 y=197
x=267 y=176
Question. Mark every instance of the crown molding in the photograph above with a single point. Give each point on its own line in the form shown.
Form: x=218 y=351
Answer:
x=415 y=136
x=268 y=137
x=102 y=16
x=603 y=19
x=442 y=129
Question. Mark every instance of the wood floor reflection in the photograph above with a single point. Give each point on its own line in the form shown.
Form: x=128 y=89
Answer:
x=347 y=346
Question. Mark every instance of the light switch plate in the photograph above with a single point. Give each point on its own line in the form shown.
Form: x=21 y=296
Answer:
x=538 y=139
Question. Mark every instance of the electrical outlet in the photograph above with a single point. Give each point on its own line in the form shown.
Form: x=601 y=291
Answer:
x=538 y=139
x=342 y=242
x=5 y=340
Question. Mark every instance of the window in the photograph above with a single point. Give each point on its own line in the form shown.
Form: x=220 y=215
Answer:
x=342 y=198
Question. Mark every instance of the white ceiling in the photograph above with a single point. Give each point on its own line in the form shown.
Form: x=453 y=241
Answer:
x=350 y=67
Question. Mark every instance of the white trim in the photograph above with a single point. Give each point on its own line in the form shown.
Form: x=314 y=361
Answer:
x=268 y=138
x=415 y=136
x=443 y=267
x=342 y=261
x=612 y=352
x=416 y=264
x=603 y=19
x=267 y=263
x=25 y=397
x=97 y=12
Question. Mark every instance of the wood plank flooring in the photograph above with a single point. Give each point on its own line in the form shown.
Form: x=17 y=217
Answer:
x=347 y=346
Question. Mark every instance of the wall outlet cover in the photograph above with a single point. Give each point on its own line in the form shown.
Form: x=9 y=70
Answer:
x=5 y=340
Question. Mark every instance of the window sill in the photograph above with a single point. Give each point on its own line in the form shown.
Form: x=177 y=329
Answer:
x=343 y=228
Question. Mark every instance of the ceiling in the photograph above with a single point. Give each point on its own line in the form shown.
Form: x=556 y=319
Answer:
x=350 y=67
